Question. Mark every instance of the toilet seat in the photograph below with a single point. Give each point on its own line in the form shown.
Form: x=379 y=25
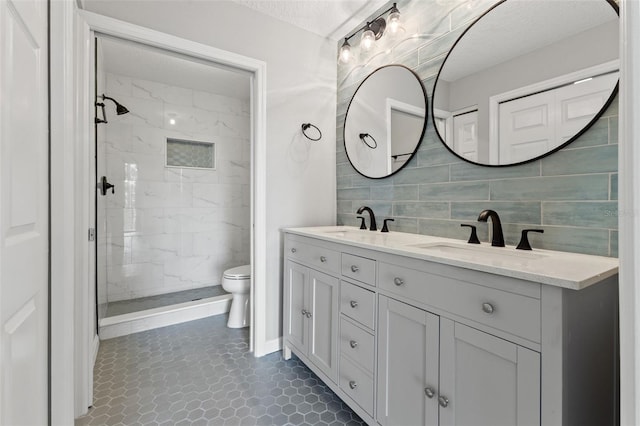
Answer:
x=238 y=273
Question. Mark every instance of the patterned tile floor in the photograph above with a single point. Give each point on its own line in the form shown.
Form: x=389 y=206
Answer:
x=201 y=373
x=143 y=303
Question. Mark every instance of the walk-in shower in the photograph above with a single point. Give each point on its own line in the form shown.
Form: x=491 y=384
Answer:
x=173 y=185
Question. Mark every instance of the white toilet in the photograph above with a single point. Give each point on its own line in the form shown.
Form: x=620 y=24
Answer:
x=237 y=281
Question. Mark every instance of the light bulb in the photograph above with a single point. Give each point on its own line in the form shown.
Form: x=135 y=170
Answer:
x=368 y=38
x=393 y=20
x=345 y=51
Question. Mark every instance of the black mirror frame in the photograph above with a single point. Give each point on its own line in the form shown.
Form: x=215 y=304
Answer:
x=606 y=105
x=424 y=126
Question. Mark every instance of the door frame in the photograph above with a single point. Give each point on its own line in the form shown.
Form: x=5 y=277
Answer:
x=103 y=25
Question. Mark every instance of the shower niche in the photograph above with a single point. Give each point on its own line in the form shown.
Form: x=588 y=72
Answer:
x=173 y=138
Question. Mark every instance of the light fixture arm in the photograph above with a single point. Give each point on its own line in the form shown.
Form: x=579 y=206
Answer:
x=364 y=27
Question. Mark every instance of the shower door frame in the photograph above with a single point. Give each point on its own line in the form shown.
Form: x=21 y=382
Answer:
x=101 y=25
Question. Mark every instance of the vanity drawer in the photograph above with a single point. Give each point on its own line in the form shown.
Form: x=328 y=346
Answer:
x=357 y=384
x=513 y=313
x=359 y=268
x=358 y=303
x=313 y=256
x=357 y=345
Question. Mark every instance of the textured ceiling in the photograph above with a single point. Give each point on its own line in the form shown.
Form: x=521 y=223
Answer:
x=328 y=18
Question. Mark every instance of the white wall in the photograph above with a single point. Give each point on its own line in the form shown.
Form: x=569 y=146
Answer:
x=301 y=87
x=170 y=229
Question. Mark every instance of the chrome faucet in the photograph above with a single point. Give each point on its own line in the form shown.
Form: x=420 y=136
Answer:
x=372 y=216
x=497 y=239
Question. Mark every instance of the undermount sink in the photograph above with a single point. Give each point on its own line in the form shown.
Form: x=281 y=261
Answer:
x=480 y=253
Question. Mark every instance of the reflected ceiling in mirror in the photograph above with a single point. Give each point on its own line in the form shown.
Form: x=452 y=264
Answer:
x=527 y=78
x=385 y=121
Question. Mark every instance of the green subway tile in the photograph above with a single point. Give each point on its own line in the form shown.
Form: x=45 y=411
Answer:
x=614 y=187
x=455 y=191
x=421 y=209
x=345 y=207
x=353 y=194
x=400 y=192
x=422 y=175
x=450 y=229
x=380 y=209
x=613 y=243
x=468 y=171
x=598 y=159
x=602 y=214
x=436 y=155
x=575 y=240
x=360 y=181
x=613 y=130
x=343 y=182
x=347 y=220
x=513 y=232
x=341 y=158
x=585 y=187
x=402 y=224
x=598 y=134
x=509 y=211
x=344 y=169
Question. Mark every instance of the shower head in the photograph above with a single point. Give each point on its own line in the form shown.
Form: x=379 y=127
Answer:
x=120 y=109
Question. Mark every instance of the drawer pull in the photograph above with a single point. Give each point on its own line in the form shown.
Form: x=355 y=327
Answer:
x=353 y=344
x=354 y=303
x=323 y=259
x=398 y=281
x=304 y=312
x=488 y=308
x=353 y=384
x=443 y=401
x=293 y=250
x=308 y=314
x=429 y=392
x=354 y=268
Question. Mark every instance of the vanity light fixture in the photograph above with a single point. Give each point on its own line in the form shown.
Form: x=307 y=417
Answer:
x=371 y=32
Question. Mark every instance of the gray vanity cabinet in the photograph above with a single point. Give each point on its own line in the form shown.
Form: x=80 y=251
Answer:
x=434 y=371
x=311 y=316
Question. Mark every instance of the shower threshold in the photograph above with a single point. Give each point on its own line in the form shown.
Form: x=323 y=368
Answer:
x=147 y=313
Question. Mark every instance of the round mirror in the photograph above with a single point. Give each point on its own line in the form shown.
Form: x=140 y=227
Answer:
x=385 y=121
x=527 y=78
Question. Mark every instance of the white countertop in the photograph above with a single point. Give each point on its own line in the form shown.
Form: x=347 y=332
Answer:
x=562 y=269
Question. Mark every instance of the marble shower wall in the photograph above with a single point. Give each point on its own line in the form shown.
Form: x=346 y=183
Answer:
x=172 y=229
x=571 y=194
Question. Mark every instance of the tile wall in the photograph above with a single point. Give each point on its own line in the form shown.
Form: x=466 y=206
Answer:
x=172 y=229
x=571 y=194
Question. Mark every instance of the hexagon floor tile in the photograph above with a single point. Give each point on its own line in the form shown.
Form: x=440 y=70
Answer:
x=202 y=373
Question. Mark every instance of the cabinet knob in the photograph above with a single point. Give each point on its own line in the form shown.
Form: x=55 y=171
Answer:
x=398 y=281
x=354 y=303
x=354 y=268
x=488 y=308
x=304 y=312
x=353 y=344
x=443 y=401
x=353 y=384
x=429 y=392
x=308 y=314
x=293 y=250
x=323 y=259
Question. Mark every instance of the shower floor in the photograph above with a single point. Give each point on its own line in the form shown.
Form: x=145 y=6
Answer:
x=143 y=303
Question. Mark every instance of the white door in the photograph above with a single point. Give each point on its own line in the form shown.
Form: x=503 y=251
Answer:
x=24 y=213
x=465 y=135
x=323 y=307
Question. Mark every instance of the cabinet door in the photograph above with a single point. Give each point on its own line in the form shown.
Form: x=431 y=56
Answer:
x=295 y=303
x=485 y=380
x=323 y=315
x=407 y=365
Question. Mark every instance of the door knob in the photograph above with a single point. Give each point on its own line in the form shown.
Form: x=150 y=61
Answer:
x=104 y=186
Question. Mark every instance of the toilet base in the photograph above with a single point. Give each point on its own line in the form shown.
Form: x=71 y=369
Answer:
x=239 y=311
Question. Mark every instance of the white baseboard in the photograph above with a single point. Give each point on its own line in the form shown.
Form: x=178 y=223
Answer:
x=270 y=346
x=122 y=325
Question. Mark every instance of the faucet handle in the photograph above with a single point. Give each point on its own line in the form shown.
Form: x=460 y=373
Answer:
x=362 y=224
x=524 y=240
x=384 y=225
x=473 y=238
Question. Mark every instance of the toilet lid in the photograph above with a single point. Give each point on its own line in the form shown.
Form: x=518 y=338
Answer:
x=239 y=272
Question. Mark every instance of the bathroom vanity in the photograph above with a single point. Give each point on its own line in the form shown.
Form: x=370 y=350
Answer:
x=417 y=330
